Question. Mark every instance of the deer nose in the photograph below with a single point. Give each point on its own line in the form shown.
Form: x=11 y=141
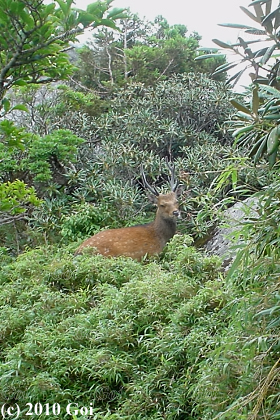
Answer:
x=176 y=213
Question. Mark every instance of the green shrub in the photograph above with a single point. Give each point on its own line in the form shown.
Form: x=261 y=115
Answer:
x=165 y=338
x=240 y=376
x=97 y=330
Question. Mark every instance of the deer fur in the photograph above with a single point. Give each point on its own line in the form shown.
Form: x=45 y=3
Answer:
x=140 y=240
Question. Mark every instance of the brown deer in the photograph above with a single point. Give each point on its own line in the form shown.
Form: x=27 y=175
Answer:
x=140 y=240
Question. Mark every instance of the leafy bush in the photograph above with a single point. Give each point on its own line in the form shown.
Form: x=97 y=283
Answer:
x=42 y=163
x=91 y=330
x=40 y=56
x=240 y=377
x=165 y=338
x=166 y=117
x=14 y=196
x=57 y=107
x=42 y=159
x=84 y=221
x=141 y=51
x=256 y=123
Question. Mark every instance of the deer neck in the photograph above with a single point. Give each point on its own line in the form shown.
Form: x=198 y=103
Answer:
x=164 y=228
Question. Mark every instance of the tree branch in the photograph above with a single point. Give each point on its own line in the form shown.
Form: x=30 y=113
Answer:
x=11 y=219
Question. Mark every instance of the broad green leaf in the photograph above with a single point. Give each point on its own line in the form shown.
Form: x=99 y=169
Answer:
x=248 y=42
x=261 y=53
x=261 y=80
x=235 y=264
x=222 y=44
x=209 y=49
x=277 y=21
x=273 y=140
x=272 y=15
x=268 y=26
x=63 y=6
x=244 y=116
x=255 y=31
x=268 y=105
x=240 y=107
x=259 y=149
x=98 y=9
x=85 y=18
x=20 y=82
x=270 y=89
x=50 y=8
x=242 y=130
x=16 y=7
x=255 y=101
x=236 y=76
x=272 y=117
x=268 y=5
x=117 y=13
x=18 y=210
x=205 y=56
x=5 y=205
x=6 y=104
x=224 y=67
x=258 y=9
x=108 y=23
x=246 y=139
x=27 y=19
x=235 y=25
x=20 y=107
x=69 y=3
x=272 y=158
x=250 y=14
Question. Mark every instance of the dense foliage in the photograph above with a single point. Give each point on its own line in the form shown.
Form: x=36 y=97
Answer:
x=172 y=337
x=256 y=124
x=141 y=51
x=95 y=156
x=168 y=339
x=35 y=35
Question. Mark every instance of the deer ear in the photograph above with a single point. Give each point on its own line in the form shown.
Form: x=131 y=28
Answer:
x=153 y=198
x=179 y=190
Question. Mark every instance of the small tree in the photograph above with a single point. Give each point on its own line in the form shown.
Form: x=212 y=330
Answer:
x=141 y=51
x=257 y=122
x=34 y=38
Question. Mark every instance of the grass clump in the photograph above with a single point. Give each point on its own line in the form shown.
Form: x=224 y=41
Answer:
x=97 y=330
x=168 y=338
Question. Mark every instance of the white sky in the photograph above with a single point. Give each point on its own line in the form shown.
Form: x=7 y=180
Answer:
x=201 y=16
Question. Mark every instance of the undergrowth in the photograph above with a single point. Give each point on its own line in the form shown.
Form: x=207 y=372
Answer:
x=168 y=338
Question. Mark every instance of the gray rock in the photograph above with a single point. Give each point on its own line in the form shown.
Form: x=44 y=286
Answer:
x=222 y=241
